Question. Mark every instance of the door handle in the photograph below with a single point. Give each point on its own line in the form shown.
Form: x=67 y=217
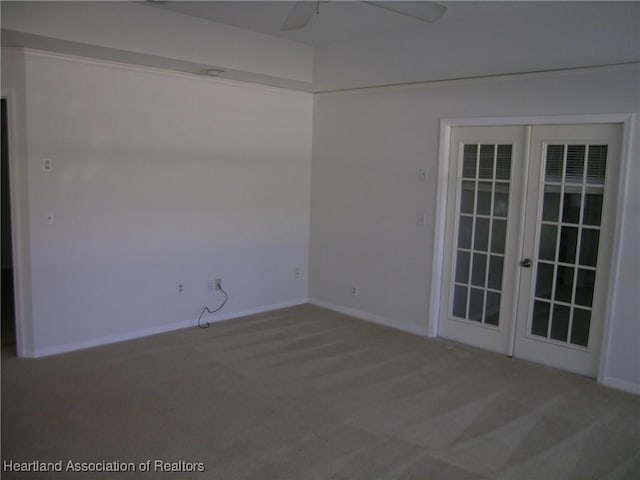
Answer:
x=526 y=263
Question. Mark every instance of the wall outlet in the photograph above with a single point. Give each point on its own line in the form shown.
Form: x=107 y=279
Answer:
x=296 y=272
x=218 y=284
x=354 y=291
x=180 y=288
x=211 y=284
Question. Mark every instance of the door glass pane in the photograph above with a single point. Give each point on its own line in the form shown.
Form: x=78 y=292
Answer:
x=560 y=322
x=476 y=300
x=492 y=310
x=571 y=207
x=555 y=163
x=564 y=284
x=580 y=327
x=500 y=200
x=503 y=162
x=592 y=209
x=481 y=238
x=589 y=247
x=540 y=318
x=464 y=232
x=479 y=269
x=498 y=236
x=575 y=163
x=469 y=161
x=460 y=302
x=597 y=163
x=548 y=238
x=467 y=197
x=584 y=287
x=551 y=204
x=484 y=198
x=486 y=161
x=462 y=266
x=544 y=280
x=568 y=244
x=496 y=266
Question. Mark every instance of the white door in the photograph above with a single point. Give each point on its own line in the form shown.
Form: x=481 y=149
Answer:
x=570 y=214
x=484 y=201
x=529 y=228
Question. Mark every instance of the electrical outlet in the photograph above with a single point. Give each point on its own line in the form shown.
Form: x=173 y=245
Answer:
x=354 y=291
x=211 y=284
x=180 y=288
x=296 y=272
x=218 y=284
x=423 y=173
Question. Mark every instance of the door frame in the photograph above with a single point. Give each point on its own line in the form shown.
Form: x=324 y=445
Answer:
x=19 y=226
x=447 y=124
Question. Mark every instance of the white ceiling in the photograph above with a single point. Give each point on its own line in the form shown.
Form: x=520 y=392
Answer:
x=337 y=20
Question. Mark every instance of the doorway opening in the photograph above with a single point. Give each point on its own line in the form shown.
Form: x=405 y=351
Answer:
x=8 y=320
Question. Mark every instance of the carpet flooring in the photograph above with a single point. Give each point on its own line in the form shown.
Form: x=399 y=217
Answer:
x=305 y=393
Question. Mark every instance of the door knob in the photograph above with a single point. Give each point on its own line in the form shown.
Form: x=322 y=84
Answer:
x=526 y=263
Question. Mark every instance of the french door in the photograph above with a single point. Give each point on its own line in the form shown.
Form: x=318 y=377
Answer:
x=529 y=228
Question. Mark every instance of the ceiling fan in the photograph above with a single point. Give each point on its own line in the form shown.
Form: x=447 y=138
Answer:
x=303 y=11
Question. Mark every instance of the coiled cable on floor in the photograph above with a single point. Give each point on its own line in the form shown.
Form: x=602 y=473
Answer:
x=207 y=310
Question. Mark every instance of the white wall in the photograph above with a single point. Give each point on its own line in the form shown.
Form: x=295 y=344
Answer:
x=367 y=196
x=158 y=178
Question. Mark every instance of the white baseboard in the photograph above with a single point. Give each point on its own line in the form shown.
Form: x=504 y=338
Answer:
x=625 y=386
x=252 y=311
x=370 y=317
x=96 y=342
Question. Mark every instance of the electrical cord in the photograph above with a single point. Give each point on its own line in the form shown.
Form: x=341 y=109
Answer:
x=206 y=310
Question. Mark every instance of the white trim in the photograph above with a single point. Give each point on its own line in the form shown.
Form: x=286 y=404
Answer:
x=19 y=243
x=115 y=338
x=581 y=119
x=447 y=124
x=370 y=317
x=33 y=52
x=618 y=384
x=120 y=337
x=439 y=229
x=552 y=73
x=616 y=250
x=526 y=156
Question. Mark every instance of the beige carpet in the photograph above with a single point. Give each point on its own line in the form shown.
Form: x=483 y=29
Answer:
x=304 y=393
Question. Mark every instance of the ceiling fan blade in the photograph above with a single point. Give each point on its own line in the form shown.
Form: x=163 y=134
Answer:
x=299 y=16
x=425 y=11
